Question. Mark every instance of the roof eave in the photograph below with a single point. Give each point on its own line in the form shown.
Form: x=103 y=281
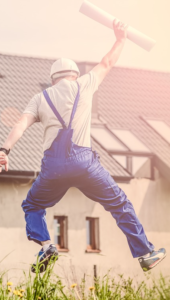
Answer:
x=33 y=175
x=19 y=174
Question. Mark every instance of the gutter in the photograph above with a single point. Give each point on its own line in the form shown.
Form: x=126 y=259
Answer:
x=19 y=174
x=33 y=175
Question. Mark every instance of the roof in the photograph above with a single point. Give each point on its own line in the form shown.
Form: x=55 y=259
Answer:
x=21 y=78
x=129 y=96
x=124 y=97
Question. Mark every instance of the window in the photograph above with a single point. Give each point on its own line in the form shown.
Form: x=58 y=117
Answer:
x=121 y=159
x=92 y=234
x=106 y=139
x=138 y=166
x=130 y=140
x=60 y=232
x=161 y=128
x=126 y=149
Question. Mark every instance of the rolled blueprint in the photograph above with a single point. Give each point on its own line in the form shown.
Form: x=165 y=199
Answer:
x=106 y=19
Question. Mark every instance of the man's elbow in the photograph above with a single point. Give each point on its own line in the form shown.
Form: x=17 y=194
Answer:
x=108 y=64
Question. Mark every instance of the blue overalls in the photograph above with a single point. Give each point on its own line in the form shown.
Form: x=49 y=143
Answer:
x=66 y=165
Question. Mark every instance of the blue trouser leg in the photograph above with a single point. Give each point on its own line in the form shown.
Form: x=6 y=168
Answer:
x=99 y=186
x=43 y=193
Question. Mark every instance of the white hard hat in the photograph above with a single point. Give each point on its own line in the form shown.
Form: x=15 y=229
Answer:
x=64 y=67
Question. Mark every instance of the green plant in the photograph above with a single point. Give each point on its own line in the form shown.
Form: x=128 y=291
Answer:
x=48 y=286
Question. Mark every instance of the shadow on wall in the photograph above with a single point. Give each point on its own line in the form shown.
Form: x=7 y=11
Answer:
x=155 y=210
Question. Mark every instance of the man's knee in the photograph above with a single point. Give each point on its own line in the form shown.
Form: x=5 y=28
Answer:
x=29 y=206
x=24 y=205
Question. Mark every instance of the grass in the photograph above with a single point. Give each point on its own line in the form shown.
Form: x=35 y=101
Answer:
x=48 y=286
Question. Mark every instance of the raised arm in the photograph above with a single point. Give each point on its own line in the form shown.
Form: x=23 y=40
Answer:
x=109 y=60
x=15 y=134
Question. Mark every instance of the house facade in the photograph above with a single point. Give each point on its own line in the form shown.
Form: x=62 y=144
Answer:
x=130 y=131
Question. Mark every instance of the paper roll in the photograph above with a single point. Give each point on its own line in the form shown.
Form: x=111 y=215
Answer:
x=106 y=19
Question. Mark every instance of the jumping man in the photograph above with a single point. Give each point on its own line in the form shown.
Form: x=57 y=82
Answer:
x=65 y=112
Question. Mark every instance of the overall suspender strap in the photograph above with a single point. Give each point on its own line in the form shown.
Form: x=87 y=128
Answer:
x=54 y=109
x=57 y=113
x=74 y=106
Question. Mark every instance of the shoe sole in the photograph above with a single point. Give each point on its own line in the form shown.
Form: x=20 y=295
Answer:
x=44 y=263
x=155 y=264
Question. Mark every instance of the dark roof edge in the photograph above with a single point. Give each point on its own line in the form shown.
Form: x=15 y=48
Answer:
x=19 y=174
x=127 y=68
x=143 y=69
x=33 y=175
x=27 y=56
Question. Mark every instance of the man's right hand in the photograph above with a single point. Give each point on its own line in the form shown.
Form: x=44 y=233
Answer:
x=3 y=161
x=120 y=30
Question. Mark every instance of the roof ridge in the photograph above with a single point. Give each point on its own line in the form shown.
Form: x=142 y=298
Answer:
x=26 y=56
x=142 y=69
x=125 y=67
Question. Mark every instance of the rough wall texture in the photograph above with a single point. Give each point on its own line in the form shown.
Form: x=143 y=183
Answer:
x=151 y=200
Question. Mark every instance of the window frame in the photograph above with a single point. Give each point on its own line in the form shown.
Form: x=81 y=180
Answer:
x=122 y=147
x=94 y=247
x=63 y=247
x=129 y=154
x=116 y=134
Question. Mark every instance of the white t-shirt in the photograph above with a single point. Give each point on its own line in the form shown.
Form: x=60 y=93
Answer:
x=63 y=95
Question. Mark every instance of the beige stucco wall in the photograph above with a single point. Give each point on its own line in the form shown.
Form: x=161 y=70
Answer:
x=151 y=200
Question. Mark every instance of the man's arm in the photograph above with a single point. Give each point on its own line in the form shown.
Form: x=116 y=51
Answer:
x=109 y=60
x=15 y=134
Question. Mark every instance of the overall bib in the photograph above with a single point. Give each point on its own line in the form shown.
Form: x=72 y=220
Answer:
x=66 y=165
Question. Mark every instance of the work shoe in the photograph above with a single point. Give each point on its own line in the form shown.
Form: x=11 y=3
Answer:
x=44 y=257
x=147 y=263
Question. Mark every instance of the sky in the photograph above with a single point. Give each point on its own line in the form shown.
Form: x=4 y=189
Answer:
x=53 y=29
